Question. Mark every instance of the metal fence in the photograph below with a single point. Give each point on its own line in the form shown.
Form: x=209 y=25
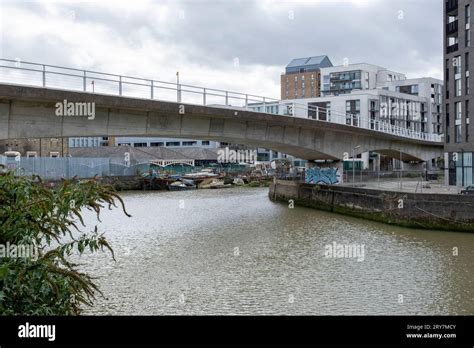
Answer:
x=51 y=76
x=69 y=167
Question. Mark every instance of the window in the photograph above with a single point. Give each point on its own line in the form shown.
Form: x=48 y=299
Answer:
x=155 y=144
x=139 y=144
x=467 y=13
x=458 y=88
x=447 y=114
x=205 y=143
x=189 y=143
x=353 y=112
x=457 y=133
x=467 y=85
x=457 y=65
x=466 y=61
x=458 y=110
x=467 y=38
x=466 y=111
x=173 y=143
x=319 y=111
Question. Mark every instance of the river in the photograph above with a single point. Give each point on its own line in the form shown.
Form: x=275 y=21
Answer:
x=233 y=251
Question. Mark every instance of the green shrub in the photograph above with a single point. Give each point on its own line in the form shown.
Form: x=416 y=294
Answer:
x=34 y=213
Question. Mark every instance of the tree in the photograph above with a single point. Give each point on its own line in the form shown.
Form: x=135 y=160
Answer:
x=43 y=219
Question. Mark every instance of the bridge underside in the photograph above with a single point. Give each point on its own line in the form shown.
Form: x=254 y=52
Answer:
x=30 y=112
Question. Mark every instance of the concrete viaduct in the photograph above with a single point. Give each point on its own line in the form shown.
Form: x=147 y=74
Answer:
x=29 y=112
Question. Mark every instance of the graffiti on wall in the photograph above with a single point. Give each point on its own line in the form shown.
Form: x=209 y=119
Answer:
x=327 y=176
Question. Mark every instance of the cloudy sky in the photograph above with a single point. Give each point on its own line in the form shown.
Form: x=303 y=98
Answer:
x=239 y=45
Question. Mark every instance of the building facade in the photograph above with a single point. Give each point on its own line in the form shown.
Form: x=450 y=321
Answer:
x=165 y=142
x=368 y=96
x=365 y=95
x=37 y=147
x=302 y=78
x=459 y=144
x=91 y=141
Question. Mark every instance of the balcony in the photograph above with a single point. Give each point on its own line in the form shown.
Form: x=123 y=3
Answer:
x=452 y=28
x=452 y=48
x=451 y=6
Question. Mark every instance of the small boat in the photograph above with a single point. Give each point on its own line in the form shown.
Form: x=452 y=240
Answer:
x=214 y=184
x=200 y=175
x=181 y=185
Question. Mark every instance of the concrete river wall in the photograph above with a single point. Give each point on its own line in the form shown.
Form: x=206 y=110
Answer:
x=418 y=210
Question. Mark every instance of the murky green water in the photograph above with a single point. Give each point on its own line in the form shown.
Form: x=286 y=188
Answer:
x=234 y=251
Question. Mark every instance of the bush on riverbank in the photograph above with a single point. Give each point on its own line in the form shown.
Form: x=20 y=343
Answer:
x=42 y=220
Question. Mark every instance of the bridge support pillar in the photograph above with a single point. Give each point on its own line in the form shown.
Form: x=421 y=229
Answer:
x=365 y=159
x=446 y=168
x=333 y=171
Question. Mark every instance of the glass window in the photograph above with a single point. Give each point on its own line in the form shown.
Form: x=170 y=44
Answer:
x=458 y=87
x=467 y=159
x=467 y=176
x=459 y=175
x=457 y=64
x=457 y=133
x=458 y=110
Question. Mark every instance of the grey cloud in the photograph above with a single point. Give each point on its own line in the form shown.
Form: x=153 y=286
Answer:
x=214 y=32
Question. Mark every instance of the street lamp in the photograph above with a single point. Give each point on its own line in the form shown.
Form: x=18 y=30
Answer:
x=353 y=165
x=178 y=88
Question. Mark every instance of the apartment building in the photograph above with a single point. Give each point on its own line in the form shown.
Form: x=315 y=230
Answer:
x=459 y=144
x=369 y=96
x=345 y=78
x=363 y=94
x=301 y=78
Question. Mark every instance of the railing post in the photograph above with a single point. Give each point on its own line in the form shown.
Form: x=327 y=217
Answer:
x=204 y=97
x=317 y=113
x=226 y=98
x=120 y=85
x=246 y=101
x=264 y=107
x=44 y=75
x=152 y=89
x=293 y=109
x=178 y=90
x=84 y=81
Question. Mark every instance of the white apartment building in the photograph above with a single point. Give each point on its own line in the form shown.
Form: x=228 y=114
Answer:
x=373 y=97
x=365 y=95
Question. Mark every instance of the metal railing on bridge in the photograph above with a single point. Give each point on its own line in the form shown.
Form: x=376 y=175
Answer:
x=50 y=76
